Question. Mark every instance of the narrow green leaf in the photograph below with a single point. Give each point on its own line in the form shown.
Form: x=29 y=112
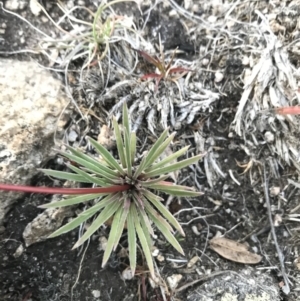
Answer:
x=164 y=230
x=173 y=167
x=153 y=181
x=71 y=225
x=131 y=239
x=119 y=142
x=155 y=146
x=144 y=243
x=152 y=212
x=168 y=159
x=163 y=210
x=144 y=216
x=107 y=156
x=174 y=189
x=126 y=121
x=85 y=215
x=72 y=201
x=159 y=150
x=122 y=221
x=92 y=179
x=62 y=175
x=140 y=168
x=128 y=153
x=99 y=168
x=105 y=214
x=94 y=161
x=133 y=146
x=114 y=232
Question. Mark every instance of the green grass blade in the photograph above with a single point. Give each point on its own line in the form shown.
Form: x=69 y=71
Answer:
x=126 y=121
x=119 y=142
x=132 y=146
x=71 y=225
x=72 y=201
x=165 y=231
x=122 y=221
x=131 y=239
x=105 y=214
x=173 y=167
x=155 y=146
x=86 y=215
x=107 y=156
x=152 y=212
x=144 y=216
x=99 y=168
x=94 y=161
x=114 y=232
x=159 y=150
x=128 y=153
x=168 y=159
x=173 y=189
x=62 y=175
x=144 y=243
x=153 y=181
x=163 y=210
x=93 y=179
x=140 y=168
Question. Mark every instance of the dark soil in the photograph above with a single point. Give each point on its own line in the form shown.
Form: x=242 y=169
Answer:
x=47 y=271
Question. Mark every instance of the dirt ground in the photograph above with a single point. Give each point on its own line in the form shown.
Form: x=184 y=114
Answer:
x=219 y=40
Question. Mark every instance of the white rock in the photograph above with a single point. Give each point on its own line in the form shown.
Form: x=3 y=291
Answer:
x=269 y=137
x=174 y=280
x=96 y=293
x=155 y=252
x=219 y=77
x=192 y=262
x=19 y=251
x=31 y=101
x=103 y=243
x=127 y=274
x=35 y=7
x=15 y=4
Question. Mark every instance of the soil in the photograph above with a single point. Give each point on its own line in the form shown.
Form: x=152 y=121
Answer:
x=50 y=270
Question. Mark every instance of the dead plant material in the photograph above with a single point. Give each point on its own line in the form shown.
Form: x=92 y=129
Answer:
x=234 y=251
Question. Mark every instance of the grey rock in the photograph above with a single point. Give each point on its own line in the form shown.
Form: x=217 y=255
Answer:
x=245 y=285
x=31 y=101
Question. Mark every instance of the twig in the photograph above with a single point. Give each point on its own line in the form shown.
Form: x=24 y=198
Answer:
x=286 y=287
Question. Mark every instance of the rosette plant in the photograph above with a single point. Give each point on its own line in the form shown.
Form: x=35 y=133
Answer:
x=128 y=194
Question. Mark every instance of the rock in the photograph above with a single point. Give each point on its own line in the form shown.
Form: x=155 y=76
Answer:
x=245 y=285
x=96 y=293
x=19 y=251
x=45 y=224
x=31 y=101
x=35 y=7
x=15 y=4
x=174 y=280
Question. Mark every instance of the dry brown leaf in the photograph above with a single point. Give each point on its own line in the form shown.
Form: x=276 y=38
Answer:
x=233 y=250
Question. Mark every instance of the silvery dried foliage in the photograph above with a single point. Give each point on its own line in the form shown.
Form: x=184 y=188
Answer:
x=270 y=84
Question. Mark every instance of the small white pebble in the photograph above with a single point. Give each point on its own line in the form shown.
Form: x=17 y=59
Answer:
x=155 y=252
x=127 y=274
x=174 y=280
x=205 y=62
x=219 y=77
x=195 y=230
x=192 y=262
x=72 y=136
x=160 y=258
x=96 y=293
x=19 y=251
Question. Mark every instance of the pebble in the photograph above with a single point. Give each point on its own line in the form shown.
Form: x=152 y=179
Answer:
x=127 y=274
x=96 y=293
x=19 y=251
x=72 y=136
x=174 y=280
x=192 y=262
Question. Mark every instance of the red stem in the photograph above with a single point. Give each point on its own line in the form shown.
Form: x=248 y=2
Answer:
x=53 y=190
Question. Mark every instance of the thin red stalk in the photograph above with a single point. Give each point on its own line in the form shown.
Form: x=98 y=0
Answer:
x=53 y=190
x=288 y=110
